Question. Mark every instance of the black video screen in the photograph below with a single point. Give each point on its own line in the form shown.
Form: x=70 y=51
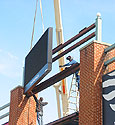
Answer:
x=36 y=59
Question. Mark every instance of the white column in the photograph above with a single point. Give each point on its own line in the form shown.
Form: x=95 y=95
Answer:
x=99 y=28
x=60 y=40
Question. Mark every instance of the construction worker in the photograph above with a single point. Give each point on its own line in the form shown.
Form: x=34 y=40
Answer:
x=39 y=108
x=71 y=62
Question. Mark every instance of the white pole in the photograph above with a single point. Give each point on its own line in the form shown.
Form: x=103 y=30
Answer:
x=99 y=28
x=60 y=39
x=58 y=99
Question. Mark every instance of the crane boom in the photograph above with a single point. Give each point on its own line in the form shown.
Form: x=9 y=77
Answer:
x=60 y=40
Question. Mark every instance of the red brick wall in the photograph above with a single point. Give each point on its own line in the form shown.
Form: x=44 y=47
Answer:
x=22 y=109
x=92 y=68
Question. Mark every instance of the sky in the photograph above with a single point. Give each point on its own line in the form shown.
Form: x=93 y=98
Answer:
x=16 y=23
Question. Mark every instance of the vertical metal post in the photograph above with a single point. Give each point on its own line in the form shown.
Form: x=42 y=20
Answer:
x=99 y=28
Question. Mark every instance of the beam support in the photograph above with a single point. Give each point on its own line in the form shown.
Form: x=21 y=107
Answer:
x=4 y=106
x=4 y=115
x=84 y=31
x=109 y=61
x=56 y=78
x=109 y=48
x=74 y=46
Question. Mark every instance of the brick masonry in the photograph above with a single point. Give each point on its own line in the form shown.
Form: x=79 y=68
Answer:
x=92 y=57
x=22 y=109
x=92 y=68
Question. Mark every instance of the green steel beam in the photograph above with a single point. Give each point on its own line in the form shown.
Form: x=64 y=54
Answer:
x=109 y=48
x=109 y=61
x=4 y=106
x=5 y=115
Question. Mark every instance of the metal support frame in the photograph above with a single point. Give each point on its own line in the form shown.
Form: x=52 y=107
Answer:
x=109 y=61
x=56 y=78
x=106 y=51
x=3 y=107
x=74 y=46
x=109 y=48
x=63 y=74
x=84 y=31
x=4 y=115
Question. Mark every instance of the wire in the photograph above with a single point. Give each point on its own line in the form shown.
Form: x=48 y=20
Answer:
x=35 y=21
x=34 y=24
x=41 y=15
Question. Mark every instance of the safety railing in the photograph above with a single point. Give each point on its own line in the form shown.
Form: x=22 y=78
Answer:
x=2 y=108
x=108 y=50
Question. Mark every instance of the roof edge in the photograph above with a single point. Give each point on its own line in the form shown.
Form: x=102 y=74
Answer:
x=95 y=41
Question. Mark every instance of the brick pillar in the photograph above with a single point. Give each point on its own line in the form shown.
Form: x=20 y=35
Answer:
x=92 y=68
x=22 y=109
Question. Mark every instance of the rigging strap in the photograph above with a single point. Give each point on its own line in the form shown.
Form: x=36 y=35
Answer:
x=34 y=24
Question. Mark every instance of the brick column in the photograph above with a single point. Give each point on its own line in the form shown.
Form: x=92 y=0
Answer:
x=92 y=68
x=22 y=109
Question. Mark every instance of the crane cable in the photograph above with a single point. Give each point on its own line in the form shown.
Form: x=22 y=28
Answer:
x=34 y=24
x=35 y=21
x=41 y=15
x=32 y=40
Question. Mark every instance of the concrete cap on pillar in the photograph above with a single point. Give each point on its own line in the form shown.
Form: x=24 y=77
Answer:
x=98 y=14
